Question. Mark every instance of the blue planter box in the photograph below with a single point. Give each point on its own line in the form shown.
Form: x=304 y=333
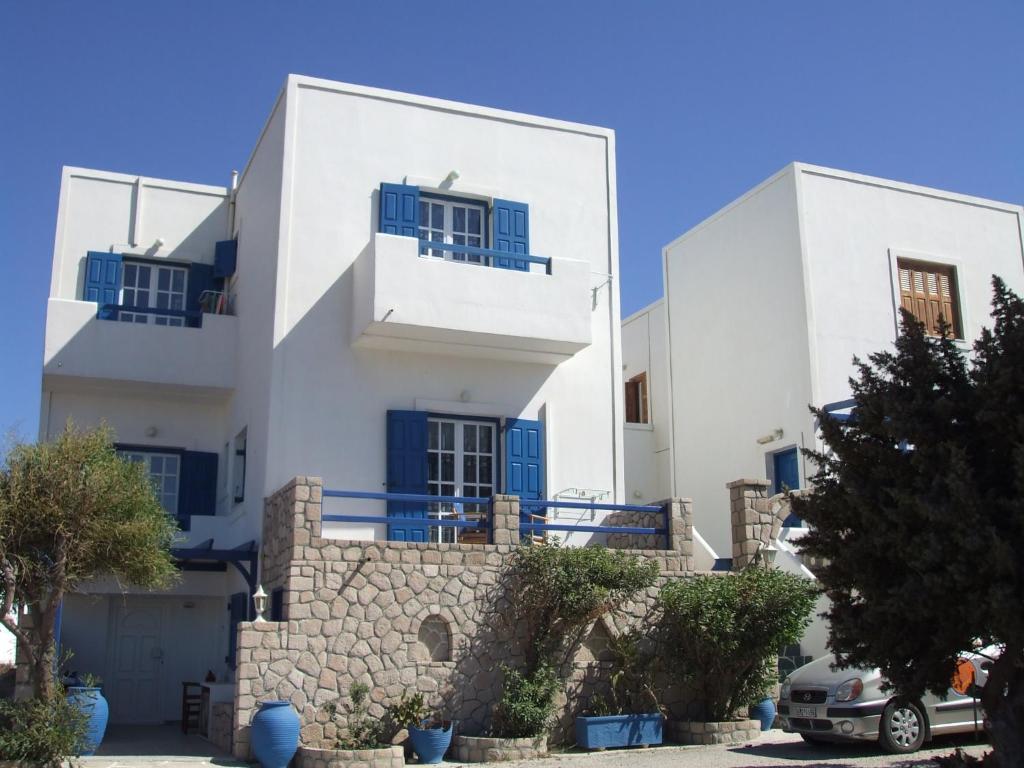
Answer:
x=618 y=731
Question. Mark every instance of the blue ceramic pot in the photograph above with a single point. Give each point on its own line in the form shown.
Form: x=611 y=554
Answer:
x=91 y=702
x=275 y=734
x=764 y=711
x=430 y=744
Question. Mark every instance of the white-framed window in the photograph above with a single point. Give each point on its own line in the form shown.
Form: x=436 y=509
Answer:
x=459 y=222
x=164 y=470
x=461 y=460
x=153 y=286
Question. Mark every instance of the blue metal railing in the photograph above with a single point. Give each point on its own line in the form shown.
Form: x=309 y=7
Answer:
x=483 y=523
x=532 y=504
x=834 y=410
x=486 y=253
x=111 y=312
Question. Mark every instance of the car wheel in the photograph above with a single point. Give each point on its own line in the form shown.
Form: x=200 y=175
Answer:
x=902 y=728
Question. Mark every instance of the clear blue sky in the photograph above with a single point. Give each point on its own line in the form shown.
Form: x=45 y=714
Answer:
x=707 y=98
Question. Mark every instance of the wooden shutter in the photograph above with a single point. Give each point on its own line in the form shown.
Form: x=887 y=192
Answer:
x=511 y=233
x=928 y=292
x=103 y=282
x=407 y=471
x=399 y=210
x=524 y=462
x=636 y=399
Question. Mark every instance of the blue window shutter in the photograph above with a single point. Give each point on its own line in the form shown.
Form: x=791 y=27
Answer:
x=399 y=210
x=238 y=610
x=407 y=471
x=197 y=491
x=225 y=258
x=103 y=281
x=524 y=461
x=786 y=471
x=512 y=233
x=200 y=278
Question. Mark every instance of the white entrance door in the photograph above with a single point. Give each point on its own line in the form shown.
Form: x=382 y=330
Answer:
x=137 y=662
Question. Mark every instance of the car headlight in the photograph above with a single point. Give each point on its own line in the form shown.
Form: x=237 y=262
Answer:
x=850 y=689
x=784 y=691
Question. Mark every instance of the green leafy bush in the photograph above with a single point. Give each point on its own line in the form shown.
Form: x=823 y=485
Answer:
x=632 y=680
x=562 y=590
x=720 y=634
x=41 y=731
x=356 y=728
x=408 y=710
x=527 y=703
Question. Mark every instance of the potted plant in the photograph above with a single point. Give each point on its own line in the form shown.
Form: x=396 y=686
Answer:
x=430 y=736
x=633 y=716
x=360 y=735
x=85 y=693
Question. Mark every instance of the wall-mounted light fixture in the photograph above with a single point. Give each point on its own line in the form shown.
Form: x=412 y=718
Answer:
x=452 y=176
x=159 y=242
x=775 y=434
x=259 y=602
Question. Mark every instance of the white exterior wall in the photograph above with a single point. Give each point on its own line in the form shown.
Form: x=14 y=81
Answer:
x=648 y=446
x=330 y=398
x=849 y=220
x=738 y=359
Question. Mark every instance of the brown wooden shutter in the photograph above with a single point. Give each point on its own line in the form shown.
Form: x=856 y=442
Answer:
x=636 y=399
x=928 y=291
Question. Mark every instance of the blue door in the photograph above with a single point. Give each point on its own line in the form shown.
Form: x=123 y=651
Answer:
x=524 y=462
x=407 y=471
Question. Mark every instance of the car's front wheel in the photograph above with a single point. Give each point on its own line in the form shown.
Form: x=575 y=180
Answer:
x=902 y=729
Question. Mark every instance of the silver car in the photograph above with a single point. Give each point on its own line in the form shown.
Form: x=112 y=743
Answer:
x=848 y=704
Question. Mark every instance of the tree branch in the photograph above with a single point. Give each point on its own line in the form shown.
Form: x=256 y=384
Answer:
x=10 y=582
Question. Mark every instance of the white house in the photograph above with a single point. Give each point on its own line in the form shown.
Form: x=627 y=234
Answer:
x=766 y=303
x=296 y=323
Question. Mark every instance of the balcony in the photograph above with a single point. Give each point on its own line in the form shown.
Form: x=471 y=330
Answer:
x=83 y=349
x=407 y=302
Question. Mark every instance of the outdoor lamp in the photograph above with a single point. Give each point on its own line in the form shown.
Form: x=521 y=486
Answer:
x=259 y=601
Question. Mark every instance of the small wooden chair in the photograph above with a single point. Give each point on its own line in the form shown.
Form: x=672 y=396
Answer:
x=191 y=705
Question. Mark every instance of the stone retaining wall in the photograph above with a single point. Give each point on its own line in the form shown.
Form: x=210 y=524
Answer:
x=222 y=725
x=401 y=617
x=733 y=732
x=387 y=757
x=479 y=749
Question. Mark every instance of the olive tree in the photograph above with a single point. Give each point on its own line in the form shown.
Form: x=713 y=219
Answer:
x=918 y=513
x=73 y=510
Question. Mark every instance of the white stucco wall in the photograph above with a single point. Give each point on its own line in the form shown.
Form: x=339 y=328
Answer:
x=648 y=446
x=330 y=399
x=855 y=227
x=737 y=337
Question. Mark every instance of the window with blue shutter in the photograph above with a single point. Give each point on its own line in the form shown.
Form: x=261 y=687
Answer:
x=103 y=282
x=786 y=477
x=198 y=494
x=524 y=461
x=399 y=210
x=512 y=233
x=407 y=472
x=200 y=279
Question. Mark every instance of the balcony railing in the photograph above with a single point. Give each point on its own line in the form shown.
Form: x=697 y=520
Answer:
x=113 y=311
x=489 y=254
x=536 y=508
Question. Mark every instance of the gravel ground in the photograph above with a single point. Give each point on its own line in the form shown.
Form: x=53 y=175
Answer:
x=773 y=749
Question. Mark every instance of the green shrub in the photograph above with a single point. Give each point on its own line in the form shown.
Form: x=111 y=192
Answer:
x=41 y=731
x=720 y=634
x=527 y=703
x=356 y=728
x=408 y=710
x=562 y=590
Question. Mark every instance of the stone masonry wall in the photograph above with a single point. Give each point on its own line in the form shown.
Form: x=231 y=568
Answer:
x=755 y=521
x=680 y=529
x=403 y=617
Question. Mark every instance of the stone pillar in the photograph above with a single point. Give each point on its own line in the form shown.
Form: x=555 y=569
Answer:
x=505 y=520
x=680 y=529
x=291 y=524
x=754 y=524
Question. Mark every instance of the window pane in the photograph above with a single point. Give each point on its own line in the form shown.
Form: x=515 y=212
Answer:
x=486 y=491
x=156 y=465
x=447 y=490
x=177 y=301
x=447 y=436
x=170 y=485
x=162 y=300
x=469 y=490
x=474 y=221
x=432 y=467
x=163 y=279
x=458 y=219
x=447 y=468
x=469 y=469
x=142 y=298
x=424 y=213
x=130 y=274
x=178 y=283
x=171 y=465
x=437 y=216
x=469 y=437
x=144 y=276
x=486 y=474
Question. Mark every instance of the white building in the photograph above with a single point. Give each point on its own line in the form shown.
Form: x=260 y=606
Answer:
x=236 y=337
x=766 y=303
